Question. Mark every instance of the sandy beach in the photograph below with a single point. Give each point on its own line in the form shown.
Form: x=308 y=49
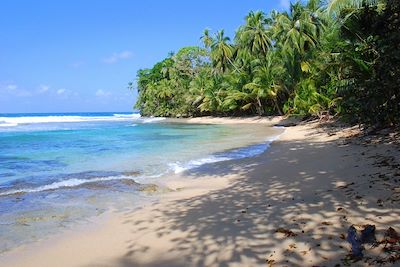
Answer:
x=290 y=206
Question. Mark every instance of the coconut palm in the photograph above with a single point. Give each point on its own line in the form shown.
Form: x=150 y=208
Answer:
x=266 y=84
x=222 y=52
x=297 y=30
x=337 y=5
x=206 y=38
x=254 y=35
x=319 y=55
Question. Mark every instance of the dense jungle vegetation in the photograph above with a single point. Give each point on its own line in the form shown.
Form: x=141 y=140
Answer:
x=338 y=58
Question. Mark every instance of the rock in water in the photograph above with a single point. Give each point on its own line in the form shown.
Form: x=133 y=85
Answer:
x=132 y=173
x=149 y=188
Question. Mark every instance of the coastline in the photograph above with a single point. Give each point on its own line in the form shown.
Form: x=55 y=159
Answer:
x=311 y=182
x=272 y=120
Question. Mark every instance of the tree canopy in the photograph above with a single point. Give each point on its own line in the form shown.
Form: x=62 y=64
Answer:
x=340 y=58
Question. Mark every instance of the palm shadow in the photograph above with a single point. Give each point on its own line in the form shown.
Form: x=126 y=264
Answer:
x=269 y=215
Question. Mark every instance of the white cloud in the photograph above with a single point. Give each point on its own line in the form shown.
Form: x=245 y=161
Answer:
x=284 y=3
x=12 y=87
x=61 y=91
x=43 y=89
x=65 y=93
x=118 y=56
x=101 y=93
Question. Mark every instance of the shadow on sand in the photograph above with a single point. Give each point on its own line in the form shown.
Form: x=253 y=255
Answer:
x=309 y=193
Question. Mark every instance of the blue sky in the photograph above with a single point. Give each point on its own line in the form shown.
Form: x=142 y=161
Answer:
x=79 y=55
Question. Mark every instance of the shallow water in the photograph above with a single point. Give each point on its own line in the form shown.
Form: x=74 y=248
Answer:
x=59 y=169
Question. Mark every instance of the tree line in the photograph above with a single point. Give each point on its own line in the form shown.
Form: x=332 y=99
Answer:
x=338 y=58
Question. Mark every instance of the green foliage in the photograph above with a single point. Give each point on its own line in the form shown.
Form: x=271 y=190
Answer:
x=339 y=5
x=164 y=89
x=339 y=58
x=371 y=91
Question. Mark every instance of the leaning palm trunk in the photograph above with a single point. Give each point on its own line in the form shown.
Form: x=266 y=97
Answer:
x=233 y=65
x=259 y=107
x=278 y=108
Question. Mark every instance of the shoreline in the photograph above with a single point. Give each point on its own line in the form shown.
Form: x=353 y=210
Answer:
x=27 y=218
x=230 y=212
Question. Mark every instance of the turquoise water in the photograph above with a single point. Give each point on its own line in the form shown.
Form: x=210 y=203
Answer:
x=58 y=169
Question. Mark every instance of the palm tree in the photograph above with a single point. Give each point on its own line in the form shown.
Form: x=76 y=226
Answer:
x=254 y=34
x=265 y=84
x=206 y=38
x=297 y=30
x=234 y=97
x=222 y=52
x=337 y=5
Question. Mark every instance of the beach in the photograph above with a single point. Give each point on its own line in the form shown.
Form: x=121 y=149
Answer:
x=289 y=206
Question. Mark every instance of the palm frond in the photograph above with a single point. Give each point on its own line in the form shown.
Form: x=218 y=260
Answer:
x=337 y=5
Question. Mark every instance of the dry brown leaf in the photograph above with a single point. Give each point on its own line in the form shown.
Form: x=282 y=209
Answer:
x=286 y=232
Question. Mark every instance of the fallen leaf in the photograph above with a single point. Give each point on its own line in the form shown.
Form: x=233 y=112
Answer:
x=271 y=262
x=287 y=232
x=392 y=236
x=392 y=249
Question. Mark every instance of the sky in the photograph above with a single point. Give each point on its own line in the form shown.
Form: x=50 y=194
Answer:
x=80 y=55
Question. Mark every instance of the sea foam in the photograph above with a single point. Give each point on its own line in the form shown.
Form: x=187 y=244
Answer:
x=14 y=121
x=73 y=182
x=238 y=153
x=152 y=119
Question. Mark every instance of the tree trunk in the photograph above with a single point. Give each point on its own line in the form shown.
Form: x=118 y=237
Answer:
x=278 y=108
x=259 y=107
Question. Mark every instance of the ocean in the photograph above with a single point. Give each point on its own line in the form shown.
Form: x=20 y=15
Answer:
x=60 y=169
